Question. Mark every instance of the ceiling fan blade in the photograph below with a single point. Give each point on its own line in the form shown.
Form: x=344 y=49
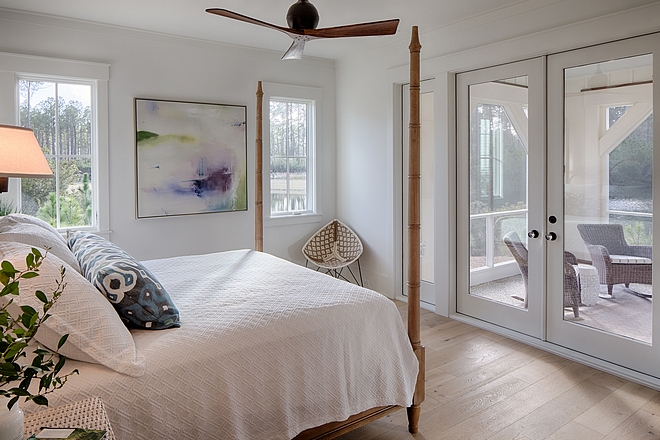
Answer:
x=246 y=19
x=375 y=28
x=295 y=51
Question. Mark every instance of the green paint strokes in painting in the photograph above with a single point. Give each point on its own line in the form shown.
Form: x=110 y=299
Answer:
x=153 y=141
x=240 y=202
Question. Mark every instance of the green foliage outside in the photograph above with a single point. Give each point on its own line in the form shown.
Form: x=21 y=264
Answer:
x=631 y=165
x=7 y=207
x=19 y=329
x=75 y=206
x=636 y=234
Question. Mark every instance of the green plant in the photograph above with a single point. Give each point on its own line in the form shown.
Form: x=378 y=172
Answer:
x=7 y=207
x=16 y=372
x=636 y=234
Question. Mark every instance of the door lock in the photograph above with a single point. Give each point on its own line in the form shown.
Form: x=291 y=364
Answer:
x=551 y=236
x=533 y=233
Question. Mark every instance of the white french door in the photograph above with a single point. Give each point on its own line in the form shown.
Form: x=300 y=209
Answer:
x=501 y=169
x=603 y=174
x=555 y=200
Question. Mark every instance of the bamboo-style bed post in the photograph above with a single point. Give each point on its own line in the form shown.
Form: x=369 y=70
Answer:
x=414 y=230
x=334 y=429
x=258 y=175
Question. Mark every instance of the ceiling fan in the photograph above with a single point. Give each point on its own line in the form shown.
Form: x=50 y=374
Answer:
x=302 y=18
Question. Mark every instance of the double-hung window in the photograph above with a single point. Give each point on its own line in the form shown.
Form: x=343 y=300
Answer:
x=291 y=190
x=292 y=141
x=60 y=114
x=65 y=104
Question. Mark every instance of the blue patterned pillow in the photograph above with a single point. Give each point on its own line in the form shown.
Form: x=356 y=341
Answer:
x=140 y=300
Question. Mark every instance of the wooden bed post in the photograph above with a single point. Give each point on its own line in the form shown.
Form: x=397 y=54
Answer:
x=414 y=231
x=258 y=175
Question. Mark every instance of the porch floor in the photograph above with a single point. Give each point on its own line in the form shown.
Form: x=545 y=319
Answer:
x=625 y=314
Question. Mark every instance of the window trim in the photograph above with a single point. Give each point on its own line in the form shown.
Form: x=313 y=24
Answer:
x=302 y=94
x=15 y=66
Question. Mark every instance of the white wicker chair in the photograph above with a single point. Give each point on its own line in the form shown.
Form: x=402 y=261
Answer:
x=333 y=248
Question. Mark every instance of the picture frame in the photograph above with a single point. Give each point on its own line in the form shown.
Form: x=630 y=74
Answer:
x=191 y=158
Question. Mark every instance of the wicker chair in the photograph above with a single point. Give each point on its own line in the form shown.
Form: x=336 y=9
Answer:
x=616 y=261
x=571 y=284
x=333 y=248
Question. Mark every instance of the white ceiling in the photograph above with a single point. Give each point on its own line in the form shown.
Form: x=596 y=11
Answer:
x=187 y=18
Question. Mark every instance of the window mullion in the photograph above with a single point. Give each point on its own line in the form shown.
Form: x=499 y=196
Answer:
x=57 y=155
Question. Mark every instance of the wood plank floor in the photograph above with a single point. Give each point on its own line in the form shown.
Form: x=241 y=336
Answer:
x=480 y=385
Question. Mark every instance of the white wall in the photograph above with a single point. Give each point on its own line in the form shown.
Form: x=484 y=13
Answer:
x=367 y=133
x=149 y=65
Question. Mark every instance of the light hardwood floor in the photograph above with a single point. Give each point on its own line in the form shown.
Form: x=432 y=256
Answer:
x=480 y=385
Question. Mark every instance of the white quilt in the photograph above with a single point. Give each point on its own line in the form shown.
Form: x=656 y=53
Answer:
x=266 y=350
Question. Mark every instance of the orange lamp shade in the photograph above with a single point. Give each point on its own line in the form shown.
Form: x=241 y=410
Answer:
x=20 y=154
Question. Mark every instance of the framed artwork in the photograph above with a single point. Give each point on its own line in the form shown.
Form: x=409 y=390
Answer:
x=191 y=158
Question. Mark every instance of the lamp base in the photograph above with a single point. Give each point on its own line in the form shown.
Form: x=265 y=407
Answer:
x=4 y=184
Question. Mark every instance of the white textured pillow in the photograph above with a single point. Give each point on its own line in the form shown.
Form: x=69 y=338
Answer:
x=13 y=228
x=96 y=333
x=25 y=218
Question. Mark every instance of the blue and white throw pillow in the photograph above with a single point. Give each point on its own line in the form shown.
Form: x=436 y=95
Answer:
x=140 y=300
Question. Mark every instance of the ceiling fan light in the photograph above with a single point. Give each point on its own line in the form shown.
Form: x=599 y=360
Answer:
x=302 y=15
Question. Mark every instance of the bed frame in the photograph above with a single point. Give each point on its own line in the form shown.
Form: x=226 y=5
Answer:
x=334 y=429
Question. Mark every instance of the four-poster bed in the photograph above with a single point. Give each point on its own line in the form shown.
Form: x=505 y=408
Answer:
x=334 y=429
x=266 y=348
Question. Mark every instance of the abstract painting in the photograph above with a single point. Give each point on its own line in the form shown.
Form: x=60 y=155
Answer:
x=190 y=158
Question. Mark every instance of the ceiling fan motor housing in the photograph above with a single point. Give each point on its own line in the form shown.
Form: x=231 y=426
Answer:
x=302 y=15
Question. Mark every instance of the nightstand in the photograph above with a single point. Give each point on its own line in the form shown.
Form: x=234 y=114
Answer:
x=89 y=413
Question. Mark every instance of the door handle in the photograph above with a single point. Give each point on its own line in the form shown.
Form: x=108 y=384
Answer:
x=533 y=233
x=551 y=236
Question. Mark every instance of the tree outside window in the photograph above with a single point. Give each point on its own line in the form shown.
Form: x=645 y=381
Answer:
x=631 y=179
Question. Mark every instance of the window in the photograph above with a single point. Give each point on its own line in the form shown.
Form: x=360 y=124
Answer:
x=292 y=147
x=66 y=104
x=290 y=142
x=60 y=113
x=498 y=146
x=613 y=114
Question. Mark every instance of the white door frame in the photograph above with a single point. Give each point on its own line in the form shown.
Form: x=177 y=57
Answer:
x=529 y=321
x=427 y=289
x=629 y=353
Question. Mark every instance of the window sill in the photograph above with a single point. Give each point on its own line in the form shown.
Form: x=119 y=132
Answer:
x=286 y=220
x=64 y=232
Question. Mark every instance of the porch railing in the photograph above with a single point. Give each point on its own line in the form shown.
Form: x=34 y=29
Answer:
x=488 y=244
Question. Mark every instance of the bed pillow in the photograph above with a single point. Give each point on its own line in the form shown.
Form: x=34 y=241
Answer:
x=139 y=298
x=31 y=220
x=96 y=334
x=14 y=228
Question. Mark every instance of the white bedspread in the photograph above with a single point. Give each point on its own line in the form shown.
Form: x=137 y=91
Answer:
x=266 y=350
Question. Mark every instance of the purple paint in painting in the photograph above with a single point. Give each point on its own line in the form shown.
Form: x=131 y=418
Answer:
x=219 y=180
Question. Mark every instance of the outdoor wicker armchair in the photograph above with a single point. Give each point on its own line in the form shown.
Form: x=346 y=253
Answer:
x=571 y=284
x=617 y=262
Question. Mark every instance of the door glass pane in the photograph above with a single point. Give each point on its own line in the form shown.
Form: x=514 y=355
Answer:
x=608 y=200
x=498 y=190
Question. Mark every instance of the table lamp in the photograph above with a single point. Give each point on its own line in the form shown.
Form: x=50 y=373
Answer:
x=20 y=155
